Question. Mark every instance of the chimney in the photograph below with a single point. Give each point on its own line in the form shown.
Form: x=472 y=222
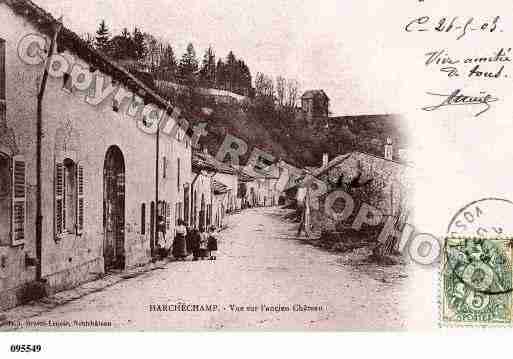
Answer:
x=325 y=160
x=389 y=149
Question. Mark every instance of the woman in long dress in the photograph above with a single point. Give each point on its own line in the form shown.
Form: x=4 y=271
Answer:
x=179 y=244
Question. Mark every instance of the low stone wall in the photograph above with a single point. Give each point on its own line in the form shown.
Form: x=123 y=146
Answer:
x=74 y=276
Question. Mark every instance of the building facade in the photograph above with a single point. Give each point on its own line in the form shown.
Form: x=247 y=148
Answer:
x=79 y=176
x=315 y=104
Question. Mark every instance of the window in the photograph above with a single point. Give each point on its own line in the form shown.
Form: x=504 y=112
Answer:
x=18 y=200
x=5 y=200
x=164 y=167
x=12 y=200
x=152 y=220
x=70 y=195
x=186 y=207
x=178 y=212
x=69 y=198
x=165 y=213
x=168 y=216
x=178 y=174
x=2 y=70
x=209 y=215
x=143 y=218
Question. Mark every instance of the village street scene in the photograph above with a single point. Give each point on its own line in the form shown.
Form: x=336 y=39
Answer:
x=260 y=263
x=143 y=190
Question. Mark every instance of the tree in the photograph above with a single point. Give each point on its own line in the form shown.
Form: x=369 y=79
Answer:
x=208 y=67
x=243 y=78
x=221 y=74
x=281 y=89
x=264 y=86
x=102 y=42
x=188 y=64
x=231 y=70
x=153 y=52
x=168 y=63
x=122 y=46
x=139 y=50
x=292 y=93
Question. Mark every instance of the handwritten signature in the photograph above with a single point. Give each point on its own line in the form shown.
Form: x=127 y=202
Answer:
x=458 y=98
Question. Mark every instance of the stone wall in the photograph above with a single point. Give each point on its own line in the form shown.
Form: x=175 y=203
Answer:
x=18 y=137
x=388 y=186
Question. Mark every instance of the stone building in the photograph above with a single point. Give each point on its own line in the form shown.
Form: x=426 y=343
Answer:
x=79 y=172
x=211 y=198
x=244 y=183
x=315 y=104
x=288 y=175
x=174 y=181
x=227 y=176
x=380 y=182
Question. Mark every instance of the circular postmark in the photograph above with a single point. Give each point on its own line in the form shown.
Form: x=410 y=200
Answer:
x=485 y=218
x=477 y=266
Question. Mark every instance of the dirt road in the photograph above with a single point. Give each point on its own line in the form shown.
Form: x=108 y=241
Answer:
x=264 y=271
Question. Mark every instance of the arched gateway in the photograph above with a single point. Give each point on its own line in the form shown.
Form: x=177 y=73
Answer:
x=114 y=209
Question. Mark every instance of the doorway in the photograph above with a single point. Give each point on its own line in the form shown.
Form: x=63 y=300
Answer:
x=114 y=209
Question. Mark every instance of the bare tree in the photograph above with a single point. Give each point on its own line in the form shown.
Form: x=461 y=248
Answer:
x=292 y=92
x=88 y=38
x=281 y=88
x=264 y=85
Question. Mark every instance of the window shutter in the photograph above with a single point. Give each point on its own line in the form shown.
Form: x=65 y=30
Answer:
x=18 y=200
x=143 y=218
x=80 y=199
x=178 y=174
x=59 y=199
x=168 y=215
x=152 y=222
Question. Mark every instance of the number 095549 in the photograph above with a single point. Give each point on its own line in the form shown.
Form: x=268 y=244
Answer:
x=25 y=348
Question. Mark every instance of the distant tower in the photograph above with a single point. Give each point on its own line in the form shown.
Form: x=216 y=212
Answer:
x=389 y=149
x=315 y=105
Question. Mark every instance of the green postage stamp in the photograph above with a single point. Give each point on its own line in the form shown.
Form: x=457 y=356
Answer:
x=476 y=282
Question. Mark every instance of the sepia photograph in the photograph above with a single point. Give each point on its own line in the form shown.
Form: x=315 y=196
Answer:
x=283 y=166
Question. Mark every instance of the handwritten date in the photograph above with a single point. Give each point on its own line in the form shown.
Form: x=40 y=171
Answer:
x=457 y=25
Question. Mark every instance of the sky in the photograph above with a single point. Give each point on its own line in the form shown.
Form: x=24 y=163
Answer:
x=329 y=44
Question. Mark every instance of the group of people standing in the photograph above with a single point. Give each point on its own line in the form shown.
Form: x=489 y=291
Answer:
x=198 y=242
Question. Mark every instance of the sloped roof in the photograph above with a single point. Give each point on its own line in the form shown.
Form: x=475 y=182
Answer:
x=262 y=173
x=244 y=176
x=311 y=169
x=68 y=39
x=314 y=93
x=341 y=158
x=334 y=162
x=219 y=188
x=205 y=161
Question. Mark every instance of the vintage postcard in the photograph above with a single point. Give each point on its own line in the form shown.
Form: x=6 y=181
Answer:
x=238 y=165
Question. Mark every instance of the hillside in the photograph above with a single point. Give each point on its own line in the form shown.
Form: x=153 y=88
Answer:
x=284 y=132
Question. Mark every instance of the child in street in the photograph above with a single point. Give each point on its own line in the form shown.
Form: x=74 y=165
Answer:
x=203 y=244
x=161 y=239
x=212 y=244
